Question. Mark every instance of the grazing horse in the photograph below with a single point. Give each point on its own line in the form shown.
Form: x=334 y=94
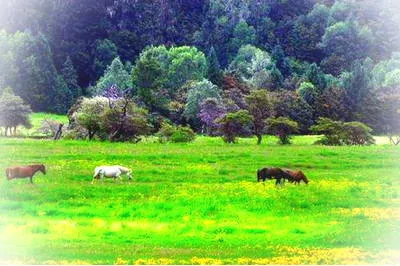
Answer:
x=114 y=171
x=271 y=173
x=295 y=176
x=24 y=171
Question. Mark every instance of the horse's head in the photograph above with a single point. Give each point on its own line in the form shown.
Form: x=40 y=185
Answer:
x=42 y=169
x=261 y=174
x=302 y=176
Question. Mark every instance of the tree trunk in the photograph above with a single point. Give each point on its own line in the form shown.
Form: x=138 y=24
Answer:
x=395 y=140
x=259 y=139
x=91 y=135
x=58 y=134
x=5 y=132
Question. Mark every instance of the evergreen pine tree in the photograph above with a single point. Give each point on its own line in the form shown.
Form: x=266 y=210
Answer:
x=70 y=76
x=214 y=71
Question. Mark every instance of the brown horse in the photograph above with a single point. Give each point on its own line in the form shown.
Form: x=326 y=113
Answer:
x=24 y=171
x=295 y=176
x=271 y=173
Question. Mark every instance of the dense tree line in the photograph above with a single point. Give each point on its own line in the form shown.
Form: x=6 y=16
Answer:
x=202 y=62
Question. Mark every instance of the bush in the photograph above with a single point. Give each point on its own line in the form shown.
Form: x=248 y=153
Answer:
x=183 y=134
x=342 y=133
x=357 y=133
x=171 y=133
x=282 y=127
x=77 y=133
x=117 y=119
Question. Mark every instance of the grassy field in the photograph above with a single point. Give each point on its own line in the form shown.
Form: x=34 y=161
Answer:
x=199 y=203
x=36 y=120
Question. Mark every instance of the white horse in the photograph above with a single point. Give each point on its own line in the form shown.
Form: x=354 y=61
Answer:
x=114 y=171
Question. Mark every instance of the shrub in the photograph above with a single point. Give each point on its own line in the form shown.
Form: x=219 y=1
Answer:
x=332 y=131
x=357 y=133
x=76 y=133
x=165 y=133
x=115 y=119
x=282 y=127
x=125 y=121
x=183 y=134
x=172 y=133
x=342 y=133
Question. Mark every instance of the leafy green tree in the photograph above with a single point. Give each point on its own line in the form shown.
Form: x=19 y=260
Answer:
x=256 y=67
x=159 y=73
x=347 y=42
x=282 y=127
x=392 y=79
x=115 y=75
x=105 y=52
x=243 y=34
x=38 y=81
x=250 y=60
x=89 y=115
x=124 y=121
x=290 y=104
x=281 y=61
x=358 y=86
x=307 y=32
x=13 y=112
x=261 y=106
x=316 y=76
x=235 y=124
x=186 y=63
x=332 y=104
x=197 y=93
x=389 y=101
x=150 y=76
x=308 y=92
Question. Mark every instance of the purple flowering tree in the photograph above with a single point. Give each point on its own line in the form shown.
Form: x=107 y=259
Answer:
x=210 y=111
x=112 y=92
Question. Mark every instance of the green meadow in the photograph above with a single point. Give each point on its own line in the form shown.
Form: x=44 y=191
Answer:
x=200 y=203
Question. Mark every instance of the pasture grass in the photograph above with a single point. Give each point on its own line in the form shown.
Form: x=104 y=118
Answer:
x=199 y=203
x=36 y=120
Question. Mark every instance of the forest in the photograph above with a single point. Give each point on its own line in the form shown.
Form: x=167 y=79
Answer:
x=206 y=64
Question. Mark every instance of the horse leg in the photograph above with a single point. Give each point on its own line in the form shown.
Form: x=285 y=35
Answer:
x=30 y=178
x=118 y=176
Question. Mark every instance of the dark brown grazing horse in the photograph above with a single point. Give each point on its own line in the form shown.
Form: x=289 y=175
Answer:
x=295 y=176
x=271 y=173
x=24 y=171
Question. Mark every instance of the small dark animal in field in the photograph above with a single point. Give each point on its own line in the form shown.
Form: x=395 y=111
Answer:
x=295 y=176
x=24 y=171
x=271 y=173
